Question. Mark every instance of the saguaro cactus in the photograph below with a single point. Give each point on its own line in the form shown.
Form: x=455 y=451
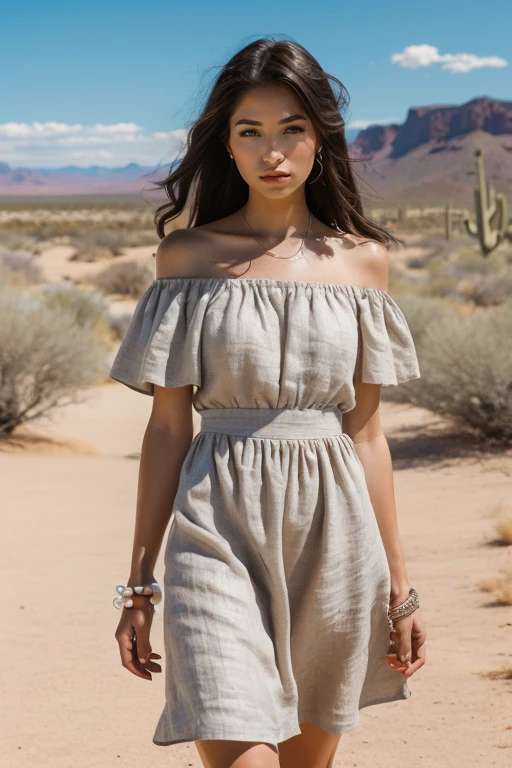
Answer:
x=491 y=225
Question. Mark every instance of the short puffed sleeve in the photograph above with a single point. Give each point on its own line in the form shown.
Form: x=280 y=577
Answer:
x=163 y=342
x=387 y=353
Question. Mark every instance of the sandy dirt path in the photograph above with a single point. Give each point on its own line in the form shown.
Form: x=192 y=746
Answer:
x=68 y=491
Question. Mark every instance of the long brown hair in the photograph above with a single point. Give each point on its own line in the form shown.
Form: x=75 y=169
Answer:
x=206 y=179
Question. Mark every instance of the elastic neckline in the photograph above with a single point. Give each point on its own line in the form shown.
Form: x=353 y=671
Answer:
x=268 y=281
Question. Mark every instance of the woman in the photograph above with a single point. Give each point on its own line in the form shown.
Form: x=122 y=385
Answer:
x=270 y=315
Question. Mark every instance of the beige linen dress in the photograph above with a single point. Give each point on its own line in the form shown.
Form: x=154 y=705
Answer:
x=276 y=584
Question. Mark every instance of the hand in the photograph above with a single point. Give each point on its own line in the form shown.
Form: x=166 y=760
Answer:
x=409 y=641
x=136 y=622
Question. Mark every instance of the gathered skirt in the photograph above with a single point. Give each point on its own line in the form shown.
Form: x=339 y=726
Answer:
x=276 y=582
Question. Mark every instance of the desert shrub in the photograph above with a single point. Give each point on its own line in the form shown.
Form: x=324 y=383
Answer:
x=142 y=237
x=19 y=268
x=45 y=361
x=417 y=262
x=119 y=324
x=16 y=241
x=128 y=278
x=487 y=290
x=86 y=308
x=97 y=244
x=470 y=261
x=467 y=371
x=419 y=312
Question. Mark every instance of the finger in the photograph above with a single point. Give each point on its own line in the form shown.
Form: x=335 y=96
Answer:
x=129 y=659
x=143 y=647
x=153 y=666
x=391 y=660
x=403 y=641
x=419 y=662
x=417 y=641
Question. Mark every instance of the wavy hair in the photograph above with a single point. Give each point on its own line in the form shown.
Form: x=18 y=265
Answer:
x=206 y=180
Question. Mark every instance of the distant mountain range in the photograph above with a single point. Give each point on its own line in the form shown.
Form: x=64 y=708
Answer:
x=427 y=160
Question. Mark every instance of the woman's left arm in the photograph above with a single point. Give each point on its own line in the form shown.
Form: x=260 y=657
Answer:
x=363 y=425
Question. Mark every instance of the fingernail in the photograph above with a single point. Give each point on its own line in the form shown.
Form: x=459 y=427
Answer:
x=404 y=656
x=142 y=661
x=392 y=665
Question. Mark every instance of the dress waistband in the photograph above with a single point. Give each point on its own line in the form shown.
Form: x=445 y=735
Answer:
x=273 y=422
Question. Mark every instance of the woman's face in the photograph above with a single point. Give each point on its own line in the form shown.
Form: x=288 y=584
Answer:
x=263 y=138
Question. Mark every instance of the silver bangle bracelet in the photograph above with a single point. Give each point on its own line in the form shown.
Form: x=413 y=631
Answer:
x=124 y=600
x=408 y=606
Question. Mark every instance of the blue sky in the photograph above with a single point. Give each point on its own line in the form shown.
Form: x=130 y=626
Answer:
x=109 y=83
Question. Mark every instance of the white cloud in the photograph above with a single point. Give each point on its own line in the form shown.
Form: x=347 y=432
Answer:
x=52 y=144
x=415 y=56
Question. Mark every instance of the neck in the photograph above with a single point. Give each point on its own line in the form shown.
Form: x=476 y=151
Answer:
x=276 y=219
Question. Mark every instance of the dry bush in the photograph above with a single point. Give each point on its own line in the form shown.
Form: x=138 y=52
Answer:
x=499 y=586
x=487 y=290
x=465 y=365
x=467 y=370
x=15 y=241
x=504 y=673
x=86 y=308
x=419 y=312
x=502 y=514
x=119 y=324
x=456 y=269
x=504 y=531
x=141 y=237
x=45 y=361
x=97 y=244
x=19 y=268
x=128 y=278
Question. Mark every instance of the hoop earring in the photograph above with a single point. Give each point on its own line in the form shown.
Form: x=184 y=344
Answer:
x=319 y=158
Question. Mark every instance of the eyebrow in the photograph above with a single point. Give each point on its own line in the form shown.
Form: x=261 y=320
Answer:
x=290 y=119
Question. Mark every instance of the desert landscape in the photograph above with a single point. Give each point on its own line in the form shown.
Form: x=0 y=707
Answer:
x=69 y=479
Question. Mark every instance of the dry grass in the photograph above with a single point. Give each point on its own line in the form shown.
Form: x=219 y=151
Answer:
x=504 y=531
x=503 y=673
x=500 y=587
x=501 y=513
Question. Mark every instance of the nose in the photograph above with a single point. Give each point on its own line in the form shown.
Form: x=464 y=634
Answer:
x=273 y=155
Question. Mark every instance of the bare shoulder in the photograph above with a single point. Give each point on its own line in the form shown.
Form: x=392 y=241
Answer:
x=178 y=252
x=373 y=262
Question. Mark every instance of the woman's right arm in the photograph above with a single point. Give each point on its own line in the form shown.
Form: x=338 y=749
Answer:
x=169 y=432
x=166 y=441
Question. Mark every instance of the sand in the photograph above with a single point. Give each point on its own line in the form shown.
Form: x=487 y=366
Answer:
x=68 y=491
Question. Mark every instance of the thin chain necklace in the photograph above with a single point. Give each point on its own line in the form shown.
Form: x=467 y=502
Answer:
x=294 y=257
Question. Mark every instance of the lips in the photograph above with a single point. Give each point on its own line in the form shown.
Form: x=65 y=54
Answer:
x=273 y=174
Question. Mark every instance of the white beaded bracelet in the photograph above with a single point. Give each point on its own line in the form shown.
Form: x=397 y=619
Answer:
x=126 y=593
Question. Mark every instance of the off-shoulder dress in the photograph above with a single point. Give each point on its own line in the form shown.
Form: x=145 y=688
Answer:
x=276 y=584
